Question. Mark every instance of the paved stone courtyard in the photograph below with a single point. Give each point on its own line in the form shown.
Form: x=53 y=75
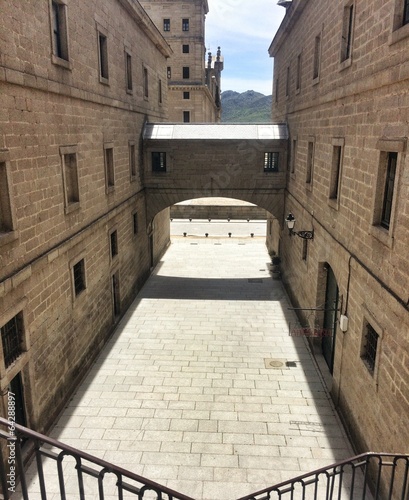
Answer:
x=185 y=392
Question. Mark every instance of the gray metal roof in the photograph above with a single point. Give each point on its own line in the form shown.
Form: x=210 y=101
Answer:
x=215 y=131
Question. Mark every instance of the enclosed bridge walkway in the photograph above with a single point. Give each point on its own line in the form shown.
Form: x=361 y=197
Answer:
x=187 y=161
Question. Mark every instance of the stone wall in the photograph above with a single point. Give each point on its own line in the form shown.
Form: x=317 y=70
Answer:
x=361 y=105
x=52 y=106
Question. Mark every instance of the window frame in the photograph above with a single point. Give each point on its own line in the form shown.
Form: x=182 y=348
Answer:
x=347 y=34
x=135 y=222
x=70 y=182
x=186 y=116
x=293 y=158
x=133 y=170
x=186 y=95
x=109 y=166
x=185 y=24
x=8 y=230
x=337 y=161
x=185 y=48
x=16 y=350
x=400 y=22
x=385 y=148
x=368 y=319
x=113 y=244
x=298 y=74
x=103 y=59
x=159 y=163
x=128 y=72
x=186 y=72
x=309 y=175
x=80 y=259
x=166 y=24
x=316 y=69
x=60 y=53
x=145 y=83
x=271 y=162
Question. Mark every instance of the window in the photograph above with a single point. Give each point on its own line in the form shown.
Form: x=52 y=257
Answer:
x=6 y=213
x=304 y=254
x=12 y=337
x=186 y=95
x=128 y=72
x=70 y=176
x=78 y=272
x=370 y=347
x=160 y=93
x=276 y=91
x=166 y=25
x=135 y=224
x=347 y=30
x=185 y=49
x=335 y=172
x=317 y=56
x=186 y=72
x=287 y=82
x=132 y=160
x=185 y=24
x=186 y=116
x=298 y=75
x=271 y=161
x=388 y=192
x=145 y=83
x=103 y=57
x=406 y=12
x=113 y=243
x=293 y=155
x=310 y=162
x=169 y=72
x=59 y=30
x=158 y=162
x=109 y=166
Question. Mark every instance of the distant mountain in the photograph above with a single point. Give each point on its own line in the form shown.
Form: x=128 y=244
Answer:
x=249 y=107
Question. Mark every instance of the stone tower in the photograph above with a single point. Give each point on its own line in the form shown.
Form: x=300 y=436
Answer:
x=193 y=76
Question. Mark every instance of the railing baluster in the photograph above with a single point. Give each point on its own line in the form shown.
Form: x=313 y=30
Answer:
x=20 y=462
x=40 y=469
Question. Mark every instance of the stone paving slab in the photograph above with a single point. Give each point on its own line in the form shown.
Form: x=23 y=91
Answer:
x=184 y=393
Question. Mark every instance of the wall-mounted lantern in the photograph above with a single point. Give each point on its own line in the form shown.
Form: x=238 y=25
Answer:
x=305 y=235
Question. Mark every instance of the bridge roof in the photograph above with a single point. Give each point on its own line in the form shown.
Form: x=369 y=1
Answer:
x=216 y=131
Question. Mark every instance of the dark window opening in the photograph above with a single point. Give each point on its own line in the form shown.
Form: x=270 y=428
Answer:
x=186 y=95
x=103 y=55
x=12 y=339
x=185 y=24
x=145 y=82
x=158 y=162
x=128 y=72
x=114 y=243
x=109 y=165
x=135 y=223
x=169 y=72
x=132 y=160
x=185 y=49
x=347 y=33
x=186 y=72
x=317 y=51
x=79 y=277
x=370 y=348
x=166 y=25
x=336 y=170
x=389 y=189
x=186 y=116
x=60 y=45
x=6 y=223
x=271 y=161
x=406 y=12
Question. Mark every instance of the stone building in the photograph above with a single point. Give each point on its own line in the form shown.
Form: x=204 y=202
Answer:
x=78 y=81
x=193 y=76
x=341 y=80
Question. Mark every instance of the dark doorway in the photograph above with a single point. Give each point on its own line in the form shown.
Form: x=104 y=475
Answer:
x=17 y=390
x=330 y=318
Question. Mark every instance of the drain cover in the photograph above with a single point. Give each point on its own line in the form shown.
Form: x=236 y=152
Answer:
x=275 y=363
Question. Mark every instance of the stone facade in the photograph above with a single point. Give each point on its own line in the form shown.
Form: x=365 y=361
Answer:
x=341 y=79
x=78 y=82
x=193 y=82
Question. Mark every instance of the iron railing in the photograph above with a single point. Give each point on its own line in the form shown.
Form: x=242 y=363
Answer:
x=62 y=470
x=370 y=476
x=71 y=472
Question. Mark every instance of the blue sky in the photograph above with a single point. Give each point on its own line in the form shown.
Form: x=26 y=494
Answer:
x=244 y=29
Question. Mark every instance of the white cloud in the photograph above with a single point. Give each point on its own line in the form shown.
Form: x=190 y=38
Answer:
x=244 y=30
